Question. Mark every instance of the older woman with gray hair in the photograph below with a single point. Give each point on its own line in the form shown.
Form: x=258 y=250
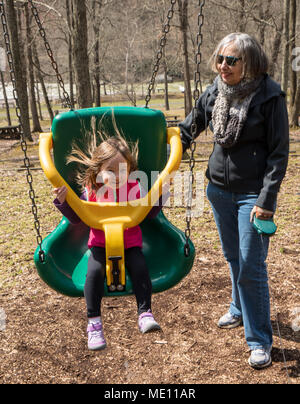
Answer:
x=246 y=111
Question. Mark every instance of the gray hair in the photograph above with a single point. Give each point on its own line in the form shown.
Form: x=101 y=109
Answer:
x=254 y=59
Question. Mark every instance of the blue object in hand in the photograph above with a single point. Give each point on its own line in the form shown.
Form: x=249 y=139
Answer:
x=264 y=227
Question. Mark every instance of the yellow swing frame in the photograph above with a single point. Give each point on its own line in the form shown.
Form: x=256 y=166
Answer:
x=112 y=217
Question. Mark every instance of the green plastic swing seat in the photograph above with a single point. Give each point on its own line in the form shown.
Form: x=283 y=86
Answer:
x=66 y=252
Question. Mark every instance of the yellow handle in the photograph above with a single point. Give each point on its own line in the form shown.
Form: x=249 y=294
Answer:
x=96 y=215
x=114 y=243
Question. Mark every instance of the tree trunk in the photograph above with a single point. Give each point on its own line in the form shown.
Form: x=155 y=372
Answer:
x=293 y=74
x=285 y=59
x=96 y=30
x=41 y=80
x=80 y=55
x=295 y=109
x=183 y=18
x=70 y=47
x=276 y=49
x=18 y=68
x=97 y=77
x=5 y=99
x=264 y=15
x=165 y=66
x=242 y=16
x=32 y=97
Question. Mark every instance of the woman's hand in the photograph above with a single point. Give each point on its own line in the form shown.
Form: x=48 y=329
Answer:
x=260 y=213
x=61 y=193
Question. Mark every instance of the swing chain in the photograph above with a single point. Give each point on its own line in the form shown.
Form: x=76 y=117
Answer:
x=196 y=96
x=159 y=54
x=50 y=54
x=26 y=160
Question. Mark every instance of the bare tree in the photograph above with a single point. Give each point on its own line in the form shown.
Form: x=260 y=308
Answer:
x=122 y=41
x=80 y=54
x=242 y=22
x=294 y=82
x=96 y=28
x=70 y=56
x=285 y=58
x=263 y=16
x=295 y=109
x=42 y=82
x=5 y=99
x=165 y=67
x=183 y=19
x=292 y=26
x=275 y=48
x=21 y=84
x=32 y=97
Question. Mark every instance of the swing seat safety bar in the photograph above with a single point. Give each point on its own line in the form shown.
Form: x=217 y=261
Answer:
x=112 y=217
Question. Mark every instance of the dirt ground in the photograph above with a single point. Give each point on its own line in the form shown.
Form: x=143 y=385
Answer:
x=43 y=339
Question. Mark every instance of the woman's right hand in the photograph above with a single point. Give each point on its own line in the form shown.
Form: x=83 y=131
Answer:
x=260 y=213
x=60 y=193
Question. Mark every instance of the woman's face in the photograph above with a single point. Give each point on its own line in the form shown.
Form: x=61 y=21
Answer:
x=115 y=172
x=231 y=75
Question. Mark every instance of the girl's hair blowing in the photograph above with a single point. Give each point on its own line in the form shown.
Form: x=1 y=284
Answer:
x=99 y=148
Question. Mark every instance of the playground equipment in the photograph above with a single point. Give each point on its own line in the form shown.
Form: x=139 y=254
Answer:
x=62 y=257
x=66 y=253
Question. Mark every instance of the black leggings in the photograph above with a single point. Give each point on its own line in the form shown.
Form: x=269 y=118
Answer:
x=138 y=272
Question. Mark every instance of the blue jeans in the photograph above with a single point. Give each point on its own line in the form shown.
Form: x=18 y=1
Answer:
x=246 y=252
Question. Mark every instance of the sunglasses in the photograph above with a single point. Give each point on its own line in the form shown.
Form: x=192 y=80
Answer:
x=230 y=60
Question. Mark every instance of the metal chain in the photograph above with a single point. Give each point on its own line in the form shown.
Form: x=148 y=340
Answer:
x=23 y=139
x=50 y=54
x=196 y=96
x=159 y=54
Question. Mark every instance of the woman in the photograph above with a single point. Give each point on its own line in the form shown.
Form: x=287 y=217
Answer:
x=246 y=111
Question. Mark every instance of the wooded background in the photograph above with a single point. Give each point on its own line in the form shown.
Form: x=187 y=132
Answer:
x=110 y=46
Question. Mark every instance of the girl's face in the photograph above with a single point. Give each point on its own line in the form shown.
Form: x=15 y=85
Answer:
x=231 y=75
x=114 y=173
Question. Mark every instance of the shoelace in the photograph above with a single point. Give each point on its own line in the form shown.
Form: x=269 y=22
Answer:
x=261 y=352
x=146 y=317
x=96 y=330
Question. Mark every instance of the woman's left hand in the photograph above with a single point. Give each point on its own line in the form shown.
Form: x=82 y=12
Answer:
x=260 y=213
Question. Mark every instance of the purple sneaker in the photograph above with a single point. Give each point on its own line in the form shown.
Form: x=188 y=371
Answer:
x=96 y=340
x=147 y=323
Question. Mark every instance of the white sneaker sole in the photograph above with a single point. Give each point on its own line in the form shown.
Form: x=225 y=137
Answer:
x=149 y=328
x=232 y=325
x=260 y=366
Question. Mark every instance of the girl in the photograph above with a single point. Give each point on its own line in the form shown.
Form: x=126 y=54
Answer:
x=105 y=173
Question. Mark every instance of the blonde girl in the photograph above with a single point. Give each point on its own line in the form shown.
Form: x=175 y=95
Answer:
x=103 y=175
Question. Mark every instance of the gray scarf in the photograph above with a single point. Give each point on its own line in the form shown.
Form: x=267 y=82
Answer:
x=231 y=109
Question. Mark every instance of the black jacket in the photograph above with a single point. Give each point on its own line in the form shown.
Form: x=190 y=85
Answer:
x=258 y=161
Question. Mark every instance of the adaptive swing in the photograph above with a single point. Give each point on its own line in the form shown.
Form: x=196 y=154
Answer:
x=61 y=258
x=66 y=253
x=169 y=253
